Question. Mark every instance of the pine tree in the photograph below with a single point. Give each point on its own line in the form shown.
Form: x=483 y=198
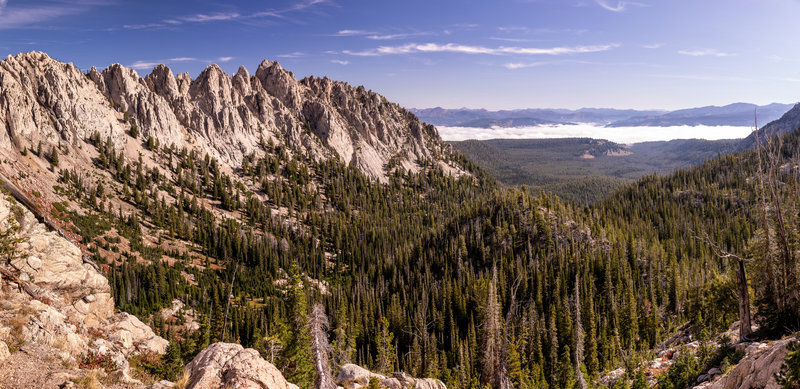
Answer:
x=54 y=156
x=578 y=328
x=298 y=354
x=384 y=362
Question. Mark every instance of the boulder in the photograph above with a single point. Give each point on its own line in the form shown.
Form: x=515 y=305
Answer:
x=4 y=353
x=231 y=365
x=130 y=334
x=354 y=377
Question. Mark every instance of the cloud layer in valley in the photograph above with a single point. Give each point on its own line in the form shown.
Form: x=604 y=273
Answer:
x=585 y=130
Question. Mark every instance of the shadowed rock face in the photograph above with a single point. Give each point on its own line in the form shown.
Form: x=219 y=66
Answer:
x=225 y=116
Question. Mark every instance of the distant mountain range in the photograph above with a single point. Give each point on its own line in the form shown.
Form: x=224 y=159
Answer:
x=737 y=114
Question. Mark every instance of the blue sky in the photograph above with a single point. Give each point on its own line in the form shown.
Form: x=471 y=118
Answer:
x=497 y=54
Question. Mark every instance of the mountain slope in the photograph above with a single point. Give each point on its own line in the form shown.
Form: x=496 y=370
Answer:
x=789 y=122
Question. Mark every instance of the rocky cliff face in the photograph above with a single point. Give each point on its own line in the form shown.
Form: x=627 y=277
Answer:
x=44 y=100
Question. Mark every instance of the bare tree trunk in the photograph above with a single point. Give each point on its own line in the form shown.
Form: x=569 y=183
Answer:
x=318 y=325
x=581 y=382
x=743 y=294
x=745 y=325
x=228 y=303
x=767 y=259
x=495 y=371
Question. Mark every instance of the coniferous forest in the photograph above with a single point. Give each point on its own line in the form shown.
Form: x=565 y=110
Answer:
x=458 y=278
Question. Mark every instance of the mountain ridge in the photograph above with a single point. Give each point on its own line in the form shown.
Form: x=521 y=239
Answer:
x=227 y=117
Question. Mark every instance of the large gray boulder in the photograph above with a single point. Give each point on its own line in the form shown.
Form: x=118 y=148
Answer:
x=231 y=365
x=355 y=377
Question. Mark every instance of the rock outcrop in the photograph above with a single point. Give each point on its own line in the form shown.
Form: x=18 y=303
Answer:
x=354 y=377
x=50 y=295
x=757 y=369
x=231 y=365
x=228 y=117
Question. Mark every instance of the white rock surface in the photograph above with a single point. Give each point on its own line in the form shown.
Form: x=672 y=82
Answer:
x=231 y=365
x=355 y=377
x=72 y=310
x=225 y=116
x=758 y=367
x=4 y=353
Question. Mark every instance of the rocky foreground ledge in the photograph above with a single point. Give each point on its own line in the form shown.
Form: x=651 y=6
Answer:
x=51 y=297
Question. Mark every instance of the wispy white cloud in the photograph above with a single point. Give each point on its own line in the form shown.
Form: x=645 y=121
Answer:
x=34 y=16
x=226 y=16
x=353 y=32
x=702 y=77
x=182 y=59
x=340 y=62
x=380 y=37
x=524 y=65
x=620 y=6
x=539 y=31
x=202 y=18
x=517 y=40
x=144 y=26
x=296 y=54
x=412 y=48
x=653 y=45
x=705 y=53
x=148 y=64
x=143 y=65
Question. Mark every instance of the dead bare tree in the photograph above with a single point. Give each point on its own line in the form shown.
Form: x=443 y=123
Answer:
x=318 y=326
x=767 y=257
x=494 y=363
x=743 y=294
x=581 y=382
x=228 y=302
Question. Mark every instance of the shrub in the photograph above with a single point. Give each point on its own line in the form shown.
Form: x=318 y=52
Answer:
x=93 y=360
